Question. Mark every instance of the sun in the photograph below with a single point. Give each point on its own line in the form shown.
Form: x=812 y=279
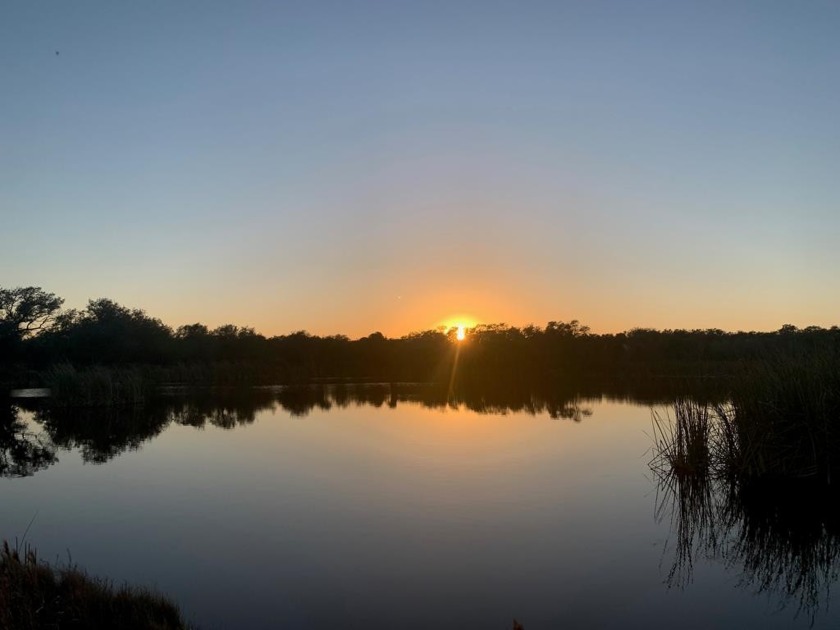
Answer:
x=460 y=324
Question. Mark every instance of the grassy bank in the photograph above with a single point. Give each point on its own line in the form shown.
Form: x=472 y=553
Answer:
x=34 y=594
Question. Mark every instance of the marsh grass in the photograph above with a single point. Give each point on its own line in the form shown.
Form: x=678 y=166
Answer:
x=683 y=447
x=94 y=387
x=750 y=481
x=34 y=594
x=785 y=415
x=782 y=422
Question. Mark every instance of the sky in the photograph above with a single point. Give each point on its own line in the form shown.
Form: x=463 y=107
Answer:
x=349 y=167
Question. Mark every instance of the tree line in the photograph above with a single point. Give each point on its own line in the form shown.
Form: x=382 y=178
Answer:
x=36 y=332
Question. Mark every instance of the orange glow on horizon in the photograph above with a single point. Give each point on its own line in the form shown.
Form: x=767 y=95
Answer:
x=460 y=321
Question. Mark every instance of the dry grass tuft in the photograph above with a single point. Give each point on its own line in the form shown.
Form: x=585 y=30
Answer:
x=34 y=594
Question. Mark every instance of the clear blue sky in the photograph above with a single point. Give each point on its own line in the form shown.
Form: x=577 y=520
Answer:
x=358 y=166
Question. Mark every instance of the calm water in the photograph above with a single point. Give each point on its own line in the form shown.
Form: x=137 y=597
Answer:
x=366 y=509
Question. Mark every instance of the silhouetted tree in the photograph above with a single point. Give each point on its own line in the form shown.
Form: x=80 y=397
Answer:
x=27 y=309
x=24 y=311
x=106 y=332
x=35 y=334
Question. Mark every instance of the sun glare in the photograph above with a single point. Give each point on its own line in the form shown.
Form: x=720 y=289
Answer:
x=460 y=325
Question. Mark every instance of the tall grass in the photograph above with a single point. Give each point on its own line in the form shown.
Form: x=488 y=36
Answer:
x=683 y=447
x=95 y=386
x=785 y=416
x=782 y=422
x=751 y=480
x=34 y=594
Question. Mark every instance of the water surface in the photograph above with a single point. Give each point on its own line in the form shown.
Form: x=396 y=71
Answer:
x=370 y=507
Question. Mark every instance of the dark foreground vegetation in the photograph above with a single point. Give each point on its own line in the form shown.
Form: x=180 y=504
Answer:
x=110 y=353
x=35 y=595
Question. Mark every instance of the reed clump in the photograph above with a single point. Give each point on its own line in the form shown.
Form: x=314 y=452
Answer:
x=781 y=422
x=750 y=481
x=785 y=416
x=34 y=594
x=94 y=386
x=684 y=446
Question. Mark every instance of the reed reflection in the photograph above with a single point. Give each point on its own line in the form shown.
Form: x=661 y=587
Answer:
x=781 y=538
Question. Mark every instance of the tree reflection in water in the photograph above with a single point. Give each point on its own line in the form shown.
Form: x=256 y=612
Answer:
x=23 y=451
x=102 y=433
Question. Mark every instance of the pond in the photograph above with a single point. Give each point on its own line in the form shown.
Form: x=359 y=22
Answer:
x=398 y=506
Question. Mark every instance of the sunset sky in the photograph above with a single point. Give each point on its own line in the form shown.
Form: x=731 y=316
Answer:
x=348 y=166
